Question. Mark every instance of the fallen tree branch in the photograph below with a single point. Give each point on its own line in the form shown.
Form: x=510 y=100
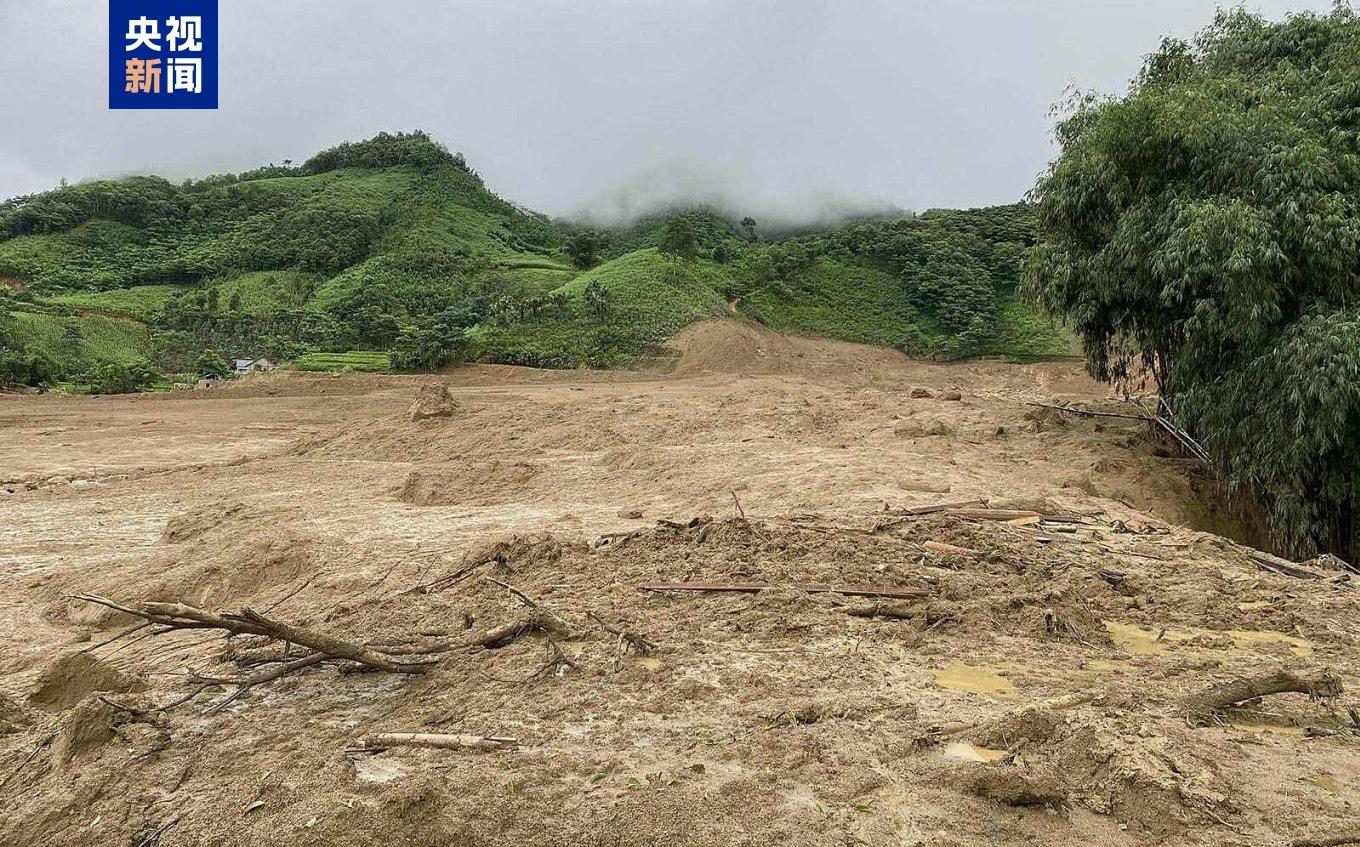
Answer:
x=179 y=616
x=533 y=604
x=755 y=587
x=250 y=622
x=1087 y=413
x=1201 y=707
x=899 y=611
x=640 y=645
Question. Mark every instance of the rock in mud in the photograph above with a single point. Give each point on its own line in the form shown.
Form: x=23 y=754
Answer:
x=433 y=401
x=951 y=395
x=921 y=393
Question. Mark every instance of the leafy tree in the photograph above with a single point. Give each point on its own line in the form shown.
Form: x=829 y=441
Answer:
x=1204 y=229
x=120 y=378
x=584 y=249
x=748 y=226
x=679 y=239
x=431 y=346
x=596 y=299
x=212 y=363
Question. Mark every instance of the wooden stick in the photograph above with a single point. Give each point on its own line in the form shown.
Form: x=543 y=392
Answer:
x=1203 y=705
x=1090 y=414
x=754 y=587
x=994 y=514
x=937 y=507
x=383 y=740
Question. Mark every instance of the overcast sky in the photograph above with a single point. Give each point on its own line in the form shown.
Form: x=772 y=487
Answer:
x=565 y=105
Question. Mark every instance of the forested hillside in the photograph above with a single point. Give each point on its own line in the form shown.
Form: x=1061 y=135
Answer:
x=394 y=245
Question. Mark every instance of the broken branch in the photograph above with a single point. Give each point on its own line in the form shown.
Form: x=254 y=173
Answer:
x=1202 y=706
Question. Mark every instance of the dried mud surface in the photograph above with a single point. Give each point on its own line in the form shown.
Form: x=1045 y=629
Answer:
x=1032 y=696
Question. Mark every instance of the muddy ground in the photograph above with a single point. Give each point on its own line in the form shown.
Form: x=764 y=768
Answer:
x=1032 y=692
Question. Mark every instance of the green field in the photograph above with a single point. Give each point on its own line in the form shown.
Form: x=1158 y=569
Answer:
x=358 y=361
x=97 y=338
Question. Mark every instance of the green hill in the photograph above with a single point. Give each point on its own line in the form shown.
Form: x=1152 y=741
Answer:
x=394 y=245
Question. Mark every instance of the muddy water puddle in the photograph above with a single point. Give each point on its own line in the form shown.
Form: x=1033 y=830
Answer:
x=1147 y=641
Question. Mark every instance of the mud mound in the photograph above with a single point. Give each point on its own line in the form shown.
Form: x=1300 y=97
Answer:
x=210 y=556
x=478 y=483
x=433 y=401
x=736 y=347
x=73 y=677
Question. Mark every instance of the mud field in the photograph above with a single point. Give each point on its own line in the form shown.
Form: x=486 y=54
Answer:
x=484 y=536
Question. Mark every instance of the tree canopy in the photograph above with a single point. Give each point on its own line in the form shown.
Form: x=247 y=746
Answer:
x=1203 y=230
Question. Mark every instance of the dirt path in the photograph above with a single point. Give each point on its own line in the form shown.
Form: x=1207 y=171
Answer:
x=768 y=718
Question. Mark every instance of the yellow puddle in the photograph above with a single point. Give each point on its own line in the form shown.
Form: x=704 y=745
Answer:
x=972 y=679
x=1324 y=781
x=649 y=663
x=962 y=752
x=1150 y=642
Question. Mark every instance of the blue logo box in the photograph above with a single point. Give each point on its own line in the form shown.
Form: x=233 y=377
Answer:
x=162 y=54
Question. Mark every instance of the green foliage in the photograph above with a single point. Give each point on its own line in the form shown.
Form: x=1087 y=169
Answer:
x=140 y=302
x=595 y=297
x=933 y=285
x=584 y=249
x=679 y=238
x=386 y=150
x=212 y=363
x=432 y=344
x=120 y=378
x=1206 y=226
x=393 y=244
x=647 y=300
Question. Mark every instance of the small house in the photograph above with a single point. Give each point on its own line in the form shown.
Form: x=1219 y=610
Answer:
x=245 y=366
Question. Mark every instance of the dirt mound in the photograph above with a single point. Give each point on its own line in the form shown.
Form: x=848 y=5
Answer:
x=433 y=401
x=737 y=347
x=471 y=483
x=73 y=677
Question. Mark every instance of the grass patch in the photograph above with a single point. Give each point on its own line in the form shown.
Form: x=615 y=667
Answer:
x=141 y=302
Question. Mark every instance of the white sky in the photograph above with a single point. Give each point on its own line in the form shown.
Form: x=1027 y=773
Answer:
x=566 y=105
